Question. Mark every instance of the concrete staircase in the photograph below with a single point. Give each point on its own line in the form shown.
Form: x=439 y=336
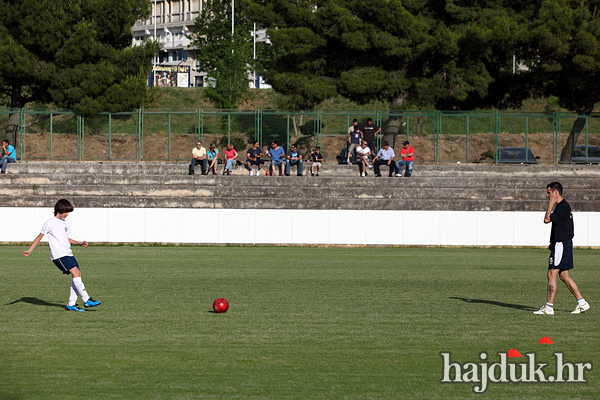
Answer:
x=454 y=187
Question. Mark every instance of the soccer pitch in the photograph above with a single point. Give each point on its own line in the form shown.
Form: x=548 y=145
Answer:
x=303 y=322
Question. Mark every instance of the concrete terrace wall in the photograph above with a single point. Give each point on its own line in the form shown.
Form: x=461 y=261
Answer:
x=323 y=227
x=458 y=204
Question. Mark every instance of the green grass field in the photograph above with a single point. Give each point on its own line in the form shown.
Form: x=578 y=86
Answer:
x=303 y=323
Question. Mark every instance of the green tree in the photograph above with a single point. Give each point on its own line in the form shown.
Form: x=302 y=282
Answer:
x=565 y=48
x=227 y=59
x=75 y=54
x=412 y=54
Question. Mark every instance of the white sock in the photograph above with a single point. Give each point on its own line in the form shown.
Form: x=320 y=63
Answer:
x=549 y=305
x=581 y=301
x=73 y=295
x=79 y=286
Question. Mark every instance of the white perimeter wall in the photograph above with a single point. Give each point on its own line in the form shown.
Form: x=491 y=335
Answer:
x=340 y=227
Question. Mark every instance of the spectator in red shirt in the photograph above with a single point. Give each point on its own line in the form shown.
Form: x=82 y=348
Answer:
x=407 y=155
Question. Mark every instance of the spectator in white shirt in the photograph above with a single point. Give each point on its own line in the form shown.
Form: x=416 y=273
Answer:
x=363 y=153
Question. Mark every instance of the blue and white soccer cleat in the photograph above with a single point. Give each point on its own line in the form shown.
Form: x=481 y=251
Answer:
x=91 y=303
x=74 y=308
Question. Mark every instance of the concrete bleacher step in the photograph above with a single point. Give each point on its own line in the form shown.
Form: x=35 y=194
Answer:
x=416 y=181
x=180 y=168
x=279 y=192
x=284 y=204
x=456 y=187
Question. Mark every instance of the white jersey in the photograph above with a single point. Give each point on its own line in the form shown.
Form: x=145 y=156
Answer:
x=58 y=232
x=364 y=151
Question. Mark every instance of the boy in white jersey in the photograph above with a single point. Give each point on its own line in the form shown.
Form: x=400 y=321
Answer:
x=59 y=239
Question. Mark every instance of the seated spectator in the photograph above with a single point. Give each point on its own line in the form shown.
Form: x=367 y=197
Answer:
x=254 y=154
x=385 y=156
x=363 y=153
x=277 y=158
x=199 y=157
x=213 y=158
x=294 y=157
x=230 y=159
x=317 y=158
x=8 y=155
x=408 y=158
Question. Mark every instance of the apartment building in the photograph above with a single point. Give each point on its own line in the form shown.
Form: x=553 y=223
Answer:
x=172 y=21
x=176 y=64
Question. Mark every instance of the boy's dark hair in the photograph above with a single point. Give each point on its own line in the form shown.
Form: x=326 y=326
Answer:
x=555 y=186
x=63 y=206
x=384 y=143
x=275 y=143
x=369 y=119
x=6 y=141
x=354 y=120
x=356 y=128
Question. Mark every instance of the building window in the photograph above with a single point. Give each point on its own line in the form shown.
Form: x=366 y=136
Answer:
x=178 y=55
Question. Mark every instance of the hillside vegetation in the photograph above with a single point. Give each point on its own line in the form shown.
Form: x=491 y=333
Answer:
x=193 y=98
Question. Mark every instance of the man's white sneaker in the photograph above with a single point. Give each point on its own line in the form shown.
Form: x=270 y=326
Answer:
x=257 y=173
x=581 y=309
x=370 y=166
x=545 y=310
x=398 y=175
x=363 y=174
x=251 y=172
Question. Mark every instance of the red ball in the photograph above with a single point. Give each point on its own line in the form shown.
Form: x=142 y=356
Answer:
x=220 y=305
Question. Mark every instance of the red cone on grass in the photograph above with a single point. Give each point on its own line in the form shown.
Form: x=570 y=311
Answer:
x=513 y=353
x=546 y=340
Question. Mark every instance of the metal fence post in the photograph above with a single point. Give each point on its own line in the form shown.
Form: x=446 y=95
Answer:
x=51 y=129
x=526 y=138
x=140 y=128
x=587 y=124
x=554 y=136
x=288 y=131
x=169 y=139
x=79 y=136
x=20 y=135
x=110 y=136
x=467 y=159
x=201 y=126
x=438 y=134
x=258 y=123
x=320 y=125
x=228 y=127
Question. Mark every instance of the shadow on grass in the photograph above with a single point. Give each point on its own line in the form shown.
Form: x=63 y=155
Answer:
x=37 y=302
x=495 y=303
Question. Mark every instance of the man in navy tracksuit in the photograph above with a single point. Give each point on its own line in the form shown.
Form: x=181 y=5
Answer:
x=561 y=247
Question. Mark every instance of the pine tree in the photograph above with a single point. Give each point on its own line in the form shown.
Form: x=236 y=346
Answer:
x=74 y=54
x=227 y=59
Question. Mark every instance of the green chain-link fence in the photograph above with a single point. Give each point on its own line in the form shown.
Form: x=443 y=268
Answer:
x=163 y=134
